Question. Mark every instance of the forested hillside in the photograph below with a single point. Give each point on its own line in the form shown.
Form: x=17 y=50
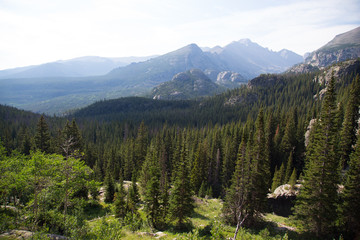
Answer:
x=235 y=146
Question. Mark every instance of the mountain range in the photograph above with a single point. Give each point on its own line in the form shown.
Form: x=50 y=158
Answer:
x=54 y=90
x=51 y=89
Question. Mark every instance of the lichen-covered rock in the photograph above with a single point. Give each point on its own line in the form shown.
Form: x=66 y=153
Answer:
x=285 y=191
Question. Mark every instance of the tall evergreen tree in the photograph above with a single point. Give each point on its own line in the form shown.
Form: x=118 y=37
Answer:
x=199 y=170
x=292 y=180
x=119 y=201
x=349 y=128
x=150 y=185
x=289 y=168
x=316 y=205
x=152 y=198
x=26 y=143
x=351 y=206
x=276 y=181
x=260 y=169
x=42 y=136
x=72 y=140
x=235 y=208
x=134 y=191
x=181 y=202
x=109 y=188
x=140 y=146
x=288 y=142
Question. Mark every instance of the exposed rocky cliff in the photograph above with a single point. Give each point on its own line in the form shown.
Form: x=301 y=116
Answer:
x=343 y=47
x=339 y=71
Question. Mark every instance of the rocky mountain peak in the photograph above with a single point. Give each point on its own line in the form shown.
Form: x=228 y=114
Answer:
x=343 y=47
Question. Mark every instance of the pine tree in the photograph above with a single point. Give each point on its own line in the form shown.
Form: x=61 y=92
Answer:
x=235 y=208
x=229 y=160
x=351 y=206
x=42 y=136
x=289 y=167
x=292 y=180
x=119 y=201
x=134 y=191
x=26 y=143
x=198 y=171
x=152 y=198
x=72 y=140
x=181 y=202
x=282 y=174
x=349 y=128
x=276 y=181
x=202 y=190
x=288 y=142
x=260 y=170
x=109 y=188
x=209 y=192
x=150 y=185
x=316 y=204
x=140 y=146
x=164 y=201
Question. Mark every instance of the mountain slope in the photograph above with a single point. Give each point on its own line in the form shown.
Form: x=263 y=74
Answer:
x=186 y=85
x=343 y=47
x=161 y=69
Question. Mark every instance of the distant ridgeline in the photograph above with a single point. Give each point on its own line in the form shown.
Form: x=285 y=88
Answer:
x=55 y=88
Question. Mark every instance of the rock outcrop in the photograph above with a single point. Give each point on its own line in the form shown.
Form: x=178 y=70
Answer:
x=230 y=79
x=186 y=85
x=343 y=47
x=282 y=199
x=303 y=68
x=339 y=71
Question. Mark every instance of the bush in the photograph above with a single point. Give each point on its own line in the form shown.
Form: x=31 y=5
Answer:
x=106 y=229
x=53 y=222
x=216 y=231
x=133 y=221
x=7 y=219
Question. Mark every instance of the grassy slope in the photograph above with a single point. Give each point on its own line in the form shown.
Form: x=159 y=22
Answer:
x=207 y=214
x=205 y=221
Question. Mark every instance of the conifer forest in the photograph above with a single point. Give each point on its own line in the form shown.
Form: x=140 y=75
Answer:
x=138 y=168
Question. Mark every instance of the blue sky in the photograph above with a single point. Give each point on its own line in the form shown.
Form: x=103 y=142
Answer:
x=39 y=31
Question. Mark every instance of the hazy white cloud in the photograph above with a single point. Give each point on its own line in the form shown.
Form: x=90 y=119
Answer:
x=39 y=31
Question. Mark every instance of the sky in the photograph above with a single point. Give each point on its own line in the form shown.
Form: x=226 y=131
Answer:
x=40 y=31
